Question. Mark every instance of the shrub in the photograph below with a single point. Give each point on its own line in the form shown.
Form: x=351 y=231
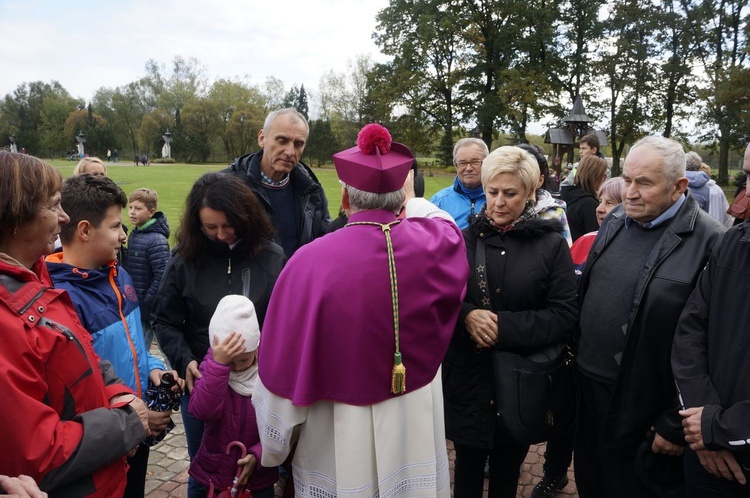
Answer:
x=163 y=160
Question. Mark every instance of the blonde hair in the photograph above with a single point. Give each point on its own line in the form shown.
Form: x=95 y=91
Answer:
x=514 y=160
x=147 y=196
x=82 y=165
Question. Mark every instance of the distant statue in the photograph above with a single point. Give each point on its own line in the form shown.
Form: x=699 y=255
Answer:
x=166 y=150
x=13 y=146
x=81 y=152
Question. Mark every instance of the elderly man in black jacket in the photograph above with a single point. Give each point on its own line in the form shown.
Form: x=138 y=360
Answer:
x=641 y=269
x=711 y=366
x=288 y=189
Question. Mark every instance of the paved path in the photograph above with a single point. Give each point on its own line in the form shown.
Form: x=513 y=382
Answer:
x=167 y=466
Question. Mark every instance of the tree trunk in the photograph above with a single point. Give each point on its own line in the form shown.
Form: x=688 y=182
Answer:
x=723 y=160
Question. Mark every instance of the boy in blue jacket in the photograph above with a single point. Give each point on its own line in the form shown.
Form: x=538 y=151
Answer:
x=148 y=251
x=104 y=296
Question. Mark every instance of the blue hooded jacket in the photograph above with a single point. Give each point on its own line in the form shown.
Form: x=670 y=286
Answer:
x=148 y=253
x=107 y=304
x=698 y=185
x=460 y=202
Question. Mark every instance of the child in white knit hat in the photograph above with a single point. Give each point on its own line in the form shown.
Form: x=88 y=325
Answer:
x=222 y=398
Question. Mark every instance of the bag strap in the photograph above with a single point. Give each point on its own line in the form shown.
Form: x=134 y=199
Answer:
x=398 y=374
x=481 y=271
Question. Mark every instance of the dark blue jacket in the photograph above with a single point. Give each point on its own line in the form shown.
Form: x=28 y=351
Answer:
x=310 y=202
x=148 y=253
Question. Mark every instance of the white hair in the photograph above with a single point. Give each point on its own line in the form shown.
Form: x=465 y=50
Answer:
x=364 y=201
x=672 y=153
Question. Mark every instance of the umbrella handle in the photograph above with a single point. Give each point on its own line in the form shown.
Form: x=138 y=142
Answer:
x=239 y=445
x=243 y=454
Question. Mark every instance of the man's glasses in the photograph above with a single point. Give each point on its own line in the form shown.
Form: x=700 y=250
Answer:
x=475 y=163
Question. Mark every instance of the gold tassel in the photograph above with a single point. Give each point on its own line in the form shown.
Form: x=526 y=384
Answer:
x=398 y=375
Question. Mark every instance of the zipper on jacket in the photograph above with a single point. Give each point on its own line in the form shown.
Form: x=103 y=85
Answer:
x=112 y=275
x=229 y=269
x=737 y=362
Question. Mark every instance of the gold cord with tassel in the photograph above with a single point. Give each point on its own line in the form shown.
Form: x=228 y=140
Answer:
x=398 y=374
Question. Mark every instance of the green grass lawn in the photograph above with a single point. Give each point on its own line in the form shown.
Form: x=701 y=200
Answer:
x=173 y=182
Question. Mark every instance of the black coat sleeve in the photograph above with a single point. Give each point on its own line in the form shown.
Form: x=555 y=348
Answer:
x=169 y=314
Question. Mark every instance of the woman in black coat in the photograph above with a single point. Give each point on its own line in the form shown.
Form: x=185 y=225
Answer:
x=530 y=304
x=581 y=196
x=224 y=246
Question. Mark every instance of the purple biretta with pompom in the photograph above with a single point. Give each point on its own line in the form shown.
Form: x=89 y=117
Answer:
x=376 y=164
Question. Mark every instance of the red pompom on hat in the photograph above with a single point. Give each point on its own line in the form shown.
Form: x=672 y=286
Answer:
x=376 y=164
x=374 y=135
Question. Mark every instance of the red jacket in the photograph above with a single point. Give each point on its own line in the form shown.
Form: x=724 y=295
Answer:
x=56 y=422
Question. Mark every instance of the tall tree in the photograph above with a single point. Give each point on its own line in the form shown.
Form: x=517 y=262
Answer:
x=301 y=104
x=676 y=78
x=719 y=30
x=292 y=97
x=273 y=93
x=130 y=107
x=426 y=42
x=94 y=127
x=579 y=29
x=241 y=131
x=628 y=74
x=171 y=88
x=530 y=83
x=56 y=106
x=152 y=127
x=23 y=112
x=322 y=143
x=229 y=96
x=201 y=125
x=493 y=31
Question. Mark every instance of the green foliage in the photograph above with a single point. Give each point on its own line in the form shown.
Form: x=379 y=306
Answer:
x=321 y=144
x=201 y=124
x=241 y=132
x=95 y=128
x=153 y=126
x=301 y=104
x=34 y=114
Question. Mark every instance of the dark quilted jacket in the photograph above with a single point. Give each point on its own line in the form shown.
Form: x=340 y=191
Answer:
x=148 y=253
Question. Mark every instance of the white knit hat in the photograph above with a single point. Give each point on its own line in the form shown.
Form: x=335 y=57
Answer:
x=235 y=313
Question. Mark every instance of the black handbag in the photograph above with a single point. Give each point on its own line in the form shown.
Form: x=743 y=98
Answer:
x=536 y=394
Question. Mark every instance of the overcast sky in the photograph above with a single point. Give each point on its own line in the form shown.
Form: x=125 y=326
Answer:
x=88 y=44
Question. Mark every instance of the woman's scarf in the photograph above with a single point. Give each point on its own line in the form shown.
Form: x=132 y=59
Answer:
x=528 y=214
